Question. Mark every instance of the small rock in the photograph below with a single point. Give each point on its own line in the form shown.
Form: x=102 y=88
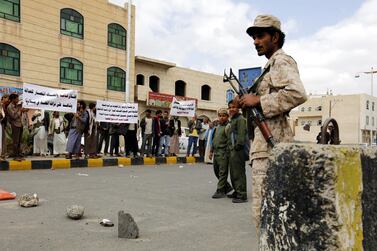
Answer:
x=28 y=200
x=75 y=212
x=127 y=227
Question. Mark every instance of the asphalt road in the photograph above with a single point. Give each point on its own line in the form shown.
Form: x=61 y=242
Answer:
x=171 y=204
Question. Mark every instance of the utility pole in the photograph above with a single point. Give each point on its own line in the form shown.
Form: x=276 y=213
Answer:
x=128 y=48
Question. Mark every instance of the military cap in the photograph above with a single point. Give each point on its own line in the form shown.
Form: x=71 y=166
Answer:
x=264 y=21
x=223 y=111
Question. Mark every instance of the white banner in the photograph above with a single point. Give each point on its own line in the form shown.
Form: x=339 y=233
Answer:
x=39 y=97
x=184 y=108
x=115 y=112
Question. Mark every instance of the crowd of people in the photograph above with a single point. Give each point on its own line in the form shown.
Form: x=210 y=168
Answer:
x=25 y=132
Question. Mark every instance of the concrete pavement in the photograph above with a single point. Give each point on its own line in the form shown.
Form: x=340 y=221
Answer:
x=171 y=203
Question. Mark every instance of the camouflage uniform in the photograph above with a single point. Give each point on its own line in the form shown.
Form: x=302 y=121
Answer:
x=281 y=90
x=237 y=155
x=221 y=157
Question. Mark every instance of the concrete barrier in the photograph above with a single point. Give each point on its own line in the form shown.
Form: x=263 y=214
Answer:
x=320 y=198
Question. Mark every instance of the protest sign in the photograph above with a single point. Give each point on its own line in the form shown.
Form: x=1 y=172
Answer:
x=183 y=108
x=39 y=97
x=10 y=90
x=115 y=112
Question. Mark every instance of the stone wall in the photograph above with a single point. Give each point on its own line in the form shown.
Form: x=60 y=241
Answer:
x=320 y=198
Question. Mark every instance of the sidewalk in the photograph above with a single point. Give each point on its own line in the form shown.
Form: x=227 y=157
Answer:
x=33 y=163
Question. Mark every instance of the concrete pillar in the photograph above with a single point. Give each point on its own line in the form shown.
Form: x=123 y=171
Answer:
x=320 y=197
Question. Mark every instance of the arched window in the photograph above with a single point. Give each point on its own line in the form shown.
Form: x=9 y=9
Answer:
x=71 y=23
x=116 y=36
x=206 y=92
x=180 y=88
x=9 y=60
x=71 y=71
x=10 y=9
x=154 y=83
x=140 y=79
x=116 y=79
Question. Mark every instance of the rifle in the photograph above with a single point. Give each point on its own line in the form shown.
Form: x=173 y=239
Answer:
x=254 y=113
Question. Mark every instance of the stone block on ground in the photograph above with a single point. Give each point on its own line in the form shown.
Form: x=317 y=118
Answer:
x=75 y=212
x=127 y=227
x=320 y=197
x=28 y=200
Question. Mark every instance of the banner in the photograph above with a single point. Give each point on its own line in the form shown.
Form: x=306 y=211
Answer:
x=163 y=100
x=115 y=112
x=183 y=108
x=39 y=97
x=10 y=90
x=248 y=76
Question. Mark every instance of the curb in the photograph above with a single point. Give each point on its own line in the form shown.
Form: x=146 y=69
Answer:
x=13 y=165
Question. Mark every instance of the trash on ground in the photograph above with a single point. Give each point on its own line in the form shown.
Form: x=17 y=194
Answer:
x=5 y=195
x=106 y=223
x=83 y=174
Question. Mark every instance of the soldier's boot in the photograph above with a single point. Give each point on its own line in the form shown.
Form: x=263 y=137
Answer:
x=218 y=195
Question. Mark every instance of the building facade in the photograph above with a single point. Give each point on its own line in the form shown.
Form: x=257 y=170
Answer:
x=355 y=114
x=81 y=45
x=67 y=44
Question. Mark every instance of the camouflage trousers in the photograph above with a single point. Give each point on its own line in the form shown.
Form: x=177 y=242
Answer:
x=258 y=175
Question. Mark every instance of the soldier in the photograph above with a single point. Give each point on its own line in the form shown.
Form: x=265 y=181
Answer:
x=278 y=92
x=237 y=140
x=220 y=155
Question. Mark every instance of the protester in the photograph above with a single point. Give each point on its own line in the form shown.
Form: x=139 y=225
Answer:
x=56 y=128
x=78 y=124
x=220 y=154
x=319 y=137
x=236 y=141
x=90 y=135
x=103 y=129
x=175 y=132
x=202 y=136
x=123 y=127
x=3 y=123
x=146 y=125
x=208 y=142
x=156 y=132
x=114 y=143
x=14 y=112
x=40 y=133
x=131 y=143
x=165 y=135
x=194 y=126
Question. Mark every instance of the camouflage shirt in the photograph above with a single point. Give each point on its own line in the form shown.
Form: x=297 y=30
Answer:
x=281 y=90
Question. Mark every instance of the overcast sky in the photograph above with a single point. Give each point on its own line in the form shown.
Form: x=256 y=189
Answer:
x=331 y=40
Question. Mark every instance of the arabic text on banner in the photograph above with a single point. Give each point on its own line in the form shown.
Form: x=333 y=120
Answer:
x=116 y=112
x=183 y=108
x=39 y=97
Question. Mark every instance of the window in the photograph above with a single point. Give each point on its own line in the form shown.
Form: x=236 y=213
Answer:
x=180 y=88
x=116 y=79
x=372 y=106
x=206 y=92
x=10 y=9
x=372 y=121
x=303 y=122
x=319 y=108
x=116 y=36
x=71 y=71
x=367 y=106
x=309 y=109
x=140 y=79
x=367 y=120
x=154 y=83
x=319 y=122
x=71 y=23
x=302 y=109
x=9 y=60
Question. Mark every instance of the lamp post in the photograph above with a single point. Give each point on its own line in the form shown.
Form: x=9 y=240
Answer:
x=371 y=72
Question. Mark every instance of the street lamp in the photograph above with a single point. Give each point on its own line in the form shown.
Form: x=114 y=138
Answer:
x=371 y=72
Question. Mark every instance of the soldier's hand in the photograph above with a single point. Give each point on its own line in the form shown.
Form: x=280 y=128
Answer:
x=249 y=100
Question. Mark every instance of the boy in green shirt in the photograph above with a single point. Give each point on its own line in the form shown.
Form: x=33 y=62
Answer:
x=219 y=150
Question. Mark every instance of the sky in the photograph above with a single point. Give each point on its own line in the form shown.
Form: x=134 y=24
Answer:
x=332 y=40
